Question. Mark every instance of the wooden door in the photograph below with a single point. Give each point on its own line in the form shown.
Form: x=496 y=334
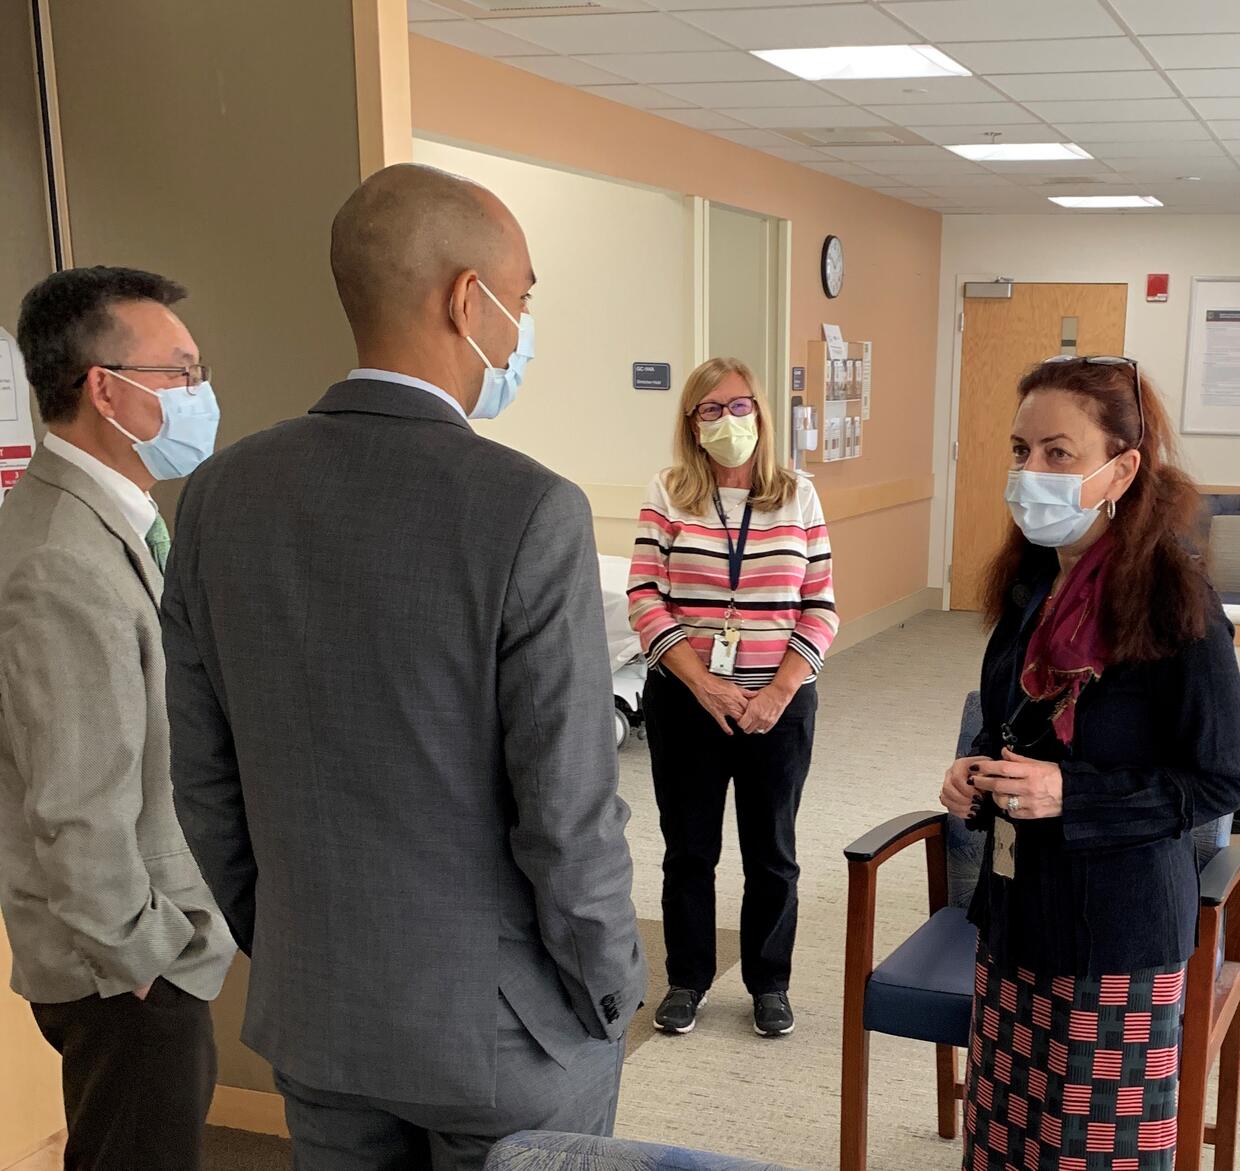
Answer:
x=1002 y=340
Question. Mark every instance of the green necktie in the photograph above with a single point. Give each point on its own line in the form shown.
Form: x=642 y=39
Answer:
x=158 y=541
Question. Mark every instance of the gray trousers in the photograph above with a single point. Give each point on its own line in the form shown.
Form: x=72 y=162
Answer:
x=344 y=1132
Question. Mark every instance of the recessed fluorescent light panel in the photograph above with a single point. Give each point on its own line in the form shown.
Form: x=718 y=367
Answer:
x=1021 y=152
x=1084 y=201
x=864 y=62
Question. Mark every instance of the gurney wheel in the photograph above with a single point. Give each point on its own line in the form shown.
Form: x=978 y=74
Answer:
x=622 y=730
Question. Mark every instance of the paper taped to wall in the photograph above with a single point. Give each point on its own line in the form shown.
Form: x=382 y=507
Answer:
x=16 y=428
x=1220 y=375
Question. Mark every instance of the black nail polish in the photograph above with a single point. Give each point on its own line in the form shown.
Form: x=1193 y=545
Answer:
x=975 y=768
x=970 y=780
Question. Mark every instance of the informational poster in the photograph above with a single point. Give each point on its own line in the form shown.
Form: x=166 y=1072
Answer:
x=1212 y=376
x=16 y=429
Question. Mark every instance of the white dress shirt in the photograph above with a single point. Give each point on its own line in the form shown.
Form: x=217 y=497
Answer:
x=135 y=505
x=406 y=380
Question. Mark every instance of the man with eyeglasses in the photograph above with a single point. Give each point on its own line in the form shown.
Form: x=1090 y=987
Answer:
x=116 y=940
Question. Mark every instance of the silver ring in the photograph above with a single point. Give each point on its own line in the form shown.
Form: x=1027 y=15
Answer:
x=1013 y=804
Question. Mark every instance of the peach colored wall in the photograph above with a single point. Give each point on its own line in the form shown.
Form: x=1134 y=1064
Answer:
x=892 y=256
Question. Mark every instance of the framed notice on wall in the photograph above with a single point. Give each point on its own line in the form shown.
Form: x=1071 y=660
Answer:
x=1212 y=376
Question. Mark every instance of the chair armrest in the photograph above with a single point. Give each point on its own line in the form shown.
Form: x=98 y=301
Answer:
x=1219 y=877
x=893 y=836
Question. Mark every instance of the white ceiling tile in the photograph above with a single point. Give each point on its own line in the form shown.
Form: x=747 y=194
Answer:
x=914 y=89
x=1004 y=20
x=761 y=139
x=1086 y=132
x=889 y=154
x=566 y=70
x=765 y=27
x=961 y=182
x=1146 y=110
x=955 y=135
x=477 y=37
x=807 y=118
x=1085 y=54
x=749 y=94
x=1083 y=87
x=1206 y=169
x=641 y=32
x=1050 y=167
x=1108 y=151
x=702 y=119
x=1184 y=16
x=641 y=97
x=1227 y=129
x=418 y=10
x=1208 y=83
x=652 y=68
x=1194 y=52
x=966 y=114
x=948 y=164
x=1216 y=109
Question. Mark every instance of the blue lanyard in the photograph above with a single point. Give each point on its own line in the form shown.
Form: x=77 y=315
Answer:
x=736 y=550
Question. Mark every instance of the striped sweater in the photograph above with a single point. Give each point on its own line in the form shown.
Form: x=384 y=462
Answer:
x=679 y=585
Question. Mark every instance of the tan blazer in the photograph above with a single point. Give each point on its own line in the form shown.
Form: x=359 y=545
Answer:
x=99 y=892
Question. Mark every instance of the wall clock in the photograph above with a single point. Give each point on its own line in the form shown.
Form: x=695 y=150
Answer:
x=832 y=266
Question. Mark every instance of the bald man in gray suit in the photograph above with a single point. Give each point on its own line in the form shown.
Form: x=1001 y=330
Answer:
x=391 y=720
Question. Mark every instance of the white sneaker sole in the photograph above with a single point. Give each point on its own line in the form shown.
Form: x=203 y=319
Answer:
x=773 y=1036
x=688 y=1028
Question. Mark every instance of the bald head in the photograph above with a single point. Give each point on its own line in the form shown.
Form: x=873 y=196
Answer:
x=404 y=236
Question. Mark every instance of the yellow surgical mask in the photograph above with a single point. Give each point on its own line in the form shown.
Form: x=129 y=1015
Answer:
x=729 y=440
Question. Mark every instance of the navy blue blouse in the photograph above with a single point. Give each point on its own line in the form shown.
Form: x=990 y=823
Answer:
x=1109 y=887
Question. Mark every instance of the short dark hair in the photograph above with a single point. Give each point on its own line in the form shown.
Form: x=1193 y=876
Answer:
x=63 y=319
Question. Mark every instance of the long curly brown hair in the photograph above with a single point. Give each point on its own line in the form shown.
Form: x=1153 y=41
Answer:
x=1158 y=599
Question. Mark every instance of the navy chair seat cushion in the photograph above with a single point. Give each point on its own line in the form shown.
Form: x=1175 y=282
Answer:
x=924 y=989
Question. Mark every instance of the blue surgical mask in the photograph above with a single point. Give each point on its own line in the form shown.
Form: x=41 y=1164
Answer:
x=1047 y=506
x=500 y=385
x=186 y=436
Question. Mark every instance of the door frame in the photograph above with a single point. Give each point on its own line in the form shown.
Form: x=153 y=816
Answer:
x=778 y=379
x=953 y=426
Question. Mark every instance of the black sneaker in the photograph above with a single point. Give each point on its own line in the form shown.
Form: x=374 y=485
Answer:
x=678 y=1012
x=772 y=1015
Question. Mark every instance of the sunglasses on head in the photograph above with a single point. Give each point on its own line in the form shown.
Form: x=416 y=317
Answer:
x=1058 y=359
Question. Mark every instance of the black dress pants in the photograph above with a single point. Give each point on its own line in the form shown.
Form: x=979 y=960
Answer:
x=693 y=761
x=138 y=1077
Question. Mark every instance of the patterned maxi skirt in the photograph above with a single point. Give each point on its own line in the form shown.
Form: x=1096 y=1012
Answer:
x=1072 y=1074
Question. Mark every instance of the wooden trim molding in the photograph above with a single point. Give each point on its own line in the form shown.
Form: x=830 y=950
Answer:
x=624 y=501
x=381 y=58
x=1219 y=489
x=846 y=503
x=251 y=1110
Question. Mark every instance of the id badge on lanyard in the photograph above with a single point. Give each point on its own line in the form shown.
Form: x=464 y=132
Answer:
x=727 y=641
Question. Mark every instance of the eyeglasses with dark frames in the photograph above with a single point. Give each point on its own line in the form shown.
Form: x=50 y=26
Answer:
x=738 y=407
x=194 y=375
x=1104 y=360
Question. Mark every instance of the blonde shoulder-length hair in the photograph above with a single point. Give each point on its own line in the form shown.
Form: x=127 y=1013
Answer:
x=691 y=481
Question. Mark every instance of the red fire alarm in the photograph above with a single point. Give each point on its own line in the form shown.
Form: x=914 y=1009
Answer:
x=1156 y=284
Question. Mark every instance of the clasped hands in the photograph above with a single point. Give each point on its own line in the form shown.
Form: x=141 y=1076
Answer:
x=1037 y=786
x=755 y=712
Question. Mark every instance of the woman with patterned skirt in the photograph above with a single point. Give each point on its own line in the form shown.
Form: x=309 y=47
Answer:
x=1111 y=727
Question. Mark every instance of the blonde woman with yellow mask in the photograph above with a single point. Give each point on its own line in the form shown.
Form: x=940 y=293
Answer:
x=731 y=592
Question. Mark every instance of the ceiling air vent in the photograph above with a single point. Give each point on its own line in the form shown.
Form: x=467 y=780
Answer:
x=1070 y=181
x=851 y=136
x=541 y=7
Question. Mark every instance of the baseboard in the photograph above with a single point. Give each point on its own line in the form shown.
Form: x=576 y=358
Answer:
x=857 y=630
x=45 y=1156
x=252 y=1110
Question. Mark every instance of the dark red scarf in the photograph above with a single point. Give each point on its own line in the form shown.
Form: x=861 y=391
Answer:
x=1068 y=650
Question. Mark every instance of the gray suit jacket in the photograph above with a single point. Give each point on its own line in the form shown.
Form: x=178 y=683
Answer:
x=100 y=893
x=393 y=750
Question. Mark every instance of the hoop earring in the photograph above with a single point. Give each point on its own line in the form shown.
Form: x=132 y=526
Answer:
x=1110 y=510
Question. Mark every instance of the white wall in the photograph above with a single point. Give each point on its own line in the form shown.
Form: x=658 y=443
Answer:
x=1097 y=249
x=614 y=265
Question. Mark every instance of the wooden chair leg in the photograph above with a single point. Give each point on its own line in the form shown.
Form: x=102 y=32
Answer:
x=1228 y=1099
x=855 y=1064
x=945 y=1063
x=1195 y=1048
